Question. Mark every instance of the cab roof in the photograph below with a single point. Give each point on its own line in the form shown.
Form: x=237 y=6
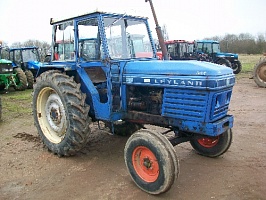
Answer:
x=95 y=13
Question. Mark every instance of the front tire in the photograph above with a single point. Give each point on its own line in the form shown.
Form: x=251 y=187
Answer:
x=60 y=113
x=21 y=79
x=237 y=67
x=259 y=73
x=213 y=146
x=150 y=162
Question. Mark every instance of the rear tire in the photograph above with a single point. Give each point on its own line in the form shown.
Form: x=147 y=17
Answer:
x=259 y=73
x=30 y=79
x=213 y=146
x=60 y=113
x=225 y=62
x=150 y=164
x=21 y=79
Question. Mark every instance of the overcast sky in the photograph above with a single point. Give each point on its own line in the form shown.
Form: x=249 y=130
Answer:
x=21 y=20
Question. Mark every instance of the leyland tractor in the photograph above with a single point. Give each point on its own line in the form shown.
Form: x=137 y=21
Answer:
x=28 y=59
x=127 y=88
x=211 y=48
x=11 y=76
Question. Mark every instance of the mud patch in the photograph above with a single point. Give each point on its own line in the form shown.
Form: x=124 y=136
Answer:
x=27 y=137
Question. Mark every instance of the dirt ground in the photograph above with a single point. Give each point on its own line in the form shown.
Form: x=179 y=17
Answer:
x=28 y=171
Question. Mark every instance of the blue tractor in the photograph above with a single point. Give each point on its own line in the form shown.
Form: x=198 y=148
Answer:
x=28 y=59
x=126 y=87
x=210 y=50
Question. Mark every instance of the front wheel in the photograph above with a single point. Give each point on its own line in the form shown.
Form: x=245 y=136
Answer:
x=60 y=113
x=237 y=67
x=150 y=162
x=213 y=146
x=20 y=80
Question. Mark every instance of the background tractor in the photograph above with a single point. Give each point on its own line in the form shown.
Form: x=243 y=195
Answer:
x=180 y=50
x=126 y=87
x=11 y=76
x=259 y=73
x=212 y=49
x=28 y=59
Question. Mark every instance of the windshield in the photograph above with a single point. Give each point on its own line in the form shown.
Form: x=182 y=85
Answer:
x=127 y=38
x=200 y=47
x=190 y=48
x=216 y=48
x=207 y=48
x=88 y=49
x=183 y=49
x=30 y=55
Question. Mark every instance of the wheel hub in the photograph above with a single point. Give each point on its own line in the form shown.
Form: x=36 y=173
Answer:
x=262 y=73
x=147 y=163
x=55 y=114
x=209 y=142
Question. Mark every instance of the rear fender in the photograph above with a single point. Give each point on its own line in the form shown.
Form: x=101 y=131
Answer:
x=98 y=110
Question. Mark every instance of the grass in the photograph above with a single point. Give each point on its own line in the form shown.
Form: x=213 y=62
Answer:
x=248 y=62
x=16 y=104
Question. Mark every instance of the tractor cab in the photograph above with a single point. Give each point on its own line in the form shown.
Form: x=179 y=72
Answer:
x=210 y=50
x=28 y=59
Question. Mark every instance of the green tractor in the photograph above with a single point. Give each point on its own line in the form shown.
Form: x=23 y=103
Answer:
x=11 y=76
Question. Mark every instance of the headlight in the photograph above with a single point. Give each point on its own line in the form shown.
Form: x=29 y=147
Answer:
x=7 y=70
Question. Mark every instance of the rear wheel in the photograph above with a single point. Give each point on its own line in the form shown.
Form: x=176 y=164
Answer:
x=30 y=79
x=259 y=73
x=151 y=165
x=60 y=113
x=20 y=80
x=225 y=62
x=213 y=146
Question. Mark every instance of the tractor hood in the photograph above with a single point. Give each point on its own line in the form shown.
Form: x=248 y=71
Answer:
x=182 y=74
x=34 y=64
x=180 y=68
x=227 y=55
x=4 y=61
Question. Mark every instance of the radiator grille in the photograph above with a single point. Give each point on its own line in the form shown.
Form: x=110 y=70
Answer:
x=203 y=106
x=185 y=104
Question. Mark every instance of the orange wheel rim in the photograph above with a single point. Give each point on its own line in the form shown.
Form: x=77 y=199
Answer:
x=208 y=142
x=145 y=164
